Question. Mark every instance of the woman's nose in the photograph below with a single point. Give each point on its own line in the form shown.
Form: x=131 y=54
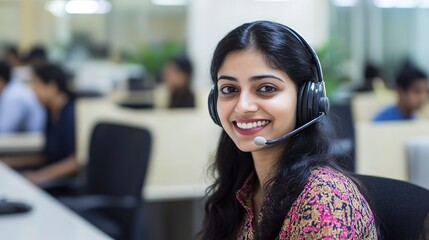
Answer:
x=246 y=103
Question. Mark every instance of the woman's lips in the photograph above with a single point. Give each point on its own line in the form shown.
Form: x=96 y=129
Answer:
x=250 y=126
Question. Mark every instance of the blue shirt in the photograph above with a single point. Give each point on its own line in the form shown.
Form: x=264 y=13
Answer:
x=20 y=110
x=392 y=113
x=61 y=135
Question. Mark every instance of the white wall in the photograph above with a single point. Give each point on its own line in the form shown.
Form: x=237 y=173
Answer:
x=210 y=20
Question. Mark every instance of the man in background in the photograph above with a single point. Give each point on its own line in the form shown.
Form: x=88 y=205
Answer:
x=412 y=91
x=19 y=71
x=20 y=111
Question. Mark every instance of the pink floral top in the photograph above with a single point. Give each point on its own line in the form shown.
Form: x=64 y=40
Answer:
x=329 y=207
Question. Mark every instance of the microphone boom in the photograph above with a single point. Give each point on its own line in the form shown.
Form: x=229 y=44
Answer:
x=262 y=141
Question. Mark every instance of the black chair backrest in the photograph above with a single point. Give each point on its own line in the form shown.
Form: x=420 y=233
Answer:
x=401 y=207
x=118 y=160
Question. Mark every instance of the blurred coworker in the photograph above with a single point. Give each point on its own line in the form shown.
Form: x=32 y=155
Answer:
x=20 y=110
x=374 y=77
x=412 y=88
x=58 y=158
x=19 y=71
x=177 y=74
x=37 y=56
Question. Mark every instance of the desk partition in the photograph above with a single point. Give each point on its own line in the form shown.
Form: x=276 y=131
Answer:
x=418 y=161
x=381 y=147
x=184 y=141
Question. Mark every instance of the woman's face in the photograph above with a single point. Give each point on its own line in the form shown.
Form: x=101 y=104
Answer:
x=44 y=92
x=255 y=99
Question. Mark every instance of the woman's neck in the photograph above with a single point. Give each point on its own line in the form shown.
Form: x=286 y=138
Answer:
x=265 y=161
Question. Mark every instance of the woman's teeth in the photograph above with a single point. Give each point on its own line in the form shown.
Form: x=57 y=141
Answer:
x=251 y=125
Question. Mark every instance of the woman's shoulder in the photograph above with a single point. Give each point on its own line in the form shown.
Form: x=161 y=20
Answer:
x=329 y=178
x=330 y=205
x=328 y=184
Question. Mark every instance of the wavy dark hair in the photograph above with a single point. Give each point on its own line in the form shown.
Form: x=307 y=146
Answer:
x=308 y=149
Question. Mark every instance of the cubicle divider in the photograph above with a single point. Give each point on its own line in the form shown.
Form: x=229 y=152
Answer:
x=183 y=143
x=418 y=161
x=381 y=147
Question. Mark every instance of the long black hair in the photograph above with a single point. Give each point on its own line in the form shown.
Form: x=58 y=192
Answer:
x=308 y=149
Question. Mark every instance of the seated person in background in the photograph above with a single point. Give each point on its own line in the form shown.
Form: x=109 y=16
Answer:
x=19 y=71
x=20 y=110
x=374 y=77
x=177 y=74
x=37 y=56
x=412 y=88
x=58 y=158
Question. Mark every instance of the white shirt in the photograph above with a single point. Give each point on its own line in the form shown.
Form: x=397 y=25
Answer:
x=20 y=110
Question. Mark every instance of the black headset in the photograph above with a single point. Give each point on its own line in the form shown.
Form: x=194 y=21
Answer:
x=312 y=99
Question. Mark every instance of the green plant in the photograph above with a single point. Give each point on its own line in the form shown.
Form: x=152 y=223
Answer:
x=331 y=59
x=154 y=56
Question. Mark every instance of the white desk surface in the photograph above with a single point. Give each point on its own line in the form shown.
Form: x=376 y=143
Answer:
x=21 y=142
x=48 y=218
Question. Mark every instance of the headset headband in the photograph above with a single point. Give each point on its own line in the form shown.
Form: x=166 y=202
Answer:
x=310 y=50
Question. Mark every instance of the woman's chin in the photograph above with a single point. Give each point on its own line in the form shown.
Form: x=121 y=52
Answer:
x=248 y=146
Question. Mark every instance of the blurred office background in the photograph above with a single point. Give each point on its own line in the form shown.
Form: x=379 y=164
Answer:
x=116 y=50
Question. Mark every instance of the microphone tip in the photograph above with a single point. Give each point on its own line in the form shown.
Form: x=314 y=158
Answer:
x=259 y=140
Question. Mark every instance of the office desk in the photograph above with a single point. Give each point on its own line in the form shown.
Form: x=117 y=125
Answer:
x=20 y=143
x=48 y=218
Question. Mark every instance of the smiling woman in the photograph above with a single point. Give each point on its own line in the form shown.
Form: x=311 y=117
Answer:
x=268 y=82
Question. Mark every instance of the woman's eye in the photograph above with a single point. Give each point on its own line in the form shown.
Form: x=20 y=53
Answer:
x=267 y=89
x=228 y=89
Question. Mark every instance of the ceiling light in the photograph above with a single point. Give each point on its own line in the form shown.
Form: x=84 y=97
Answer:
x=61 y=7
x=401 y=3
x=170 y=2
x=424 y=4
x=406 y=3
x=344 y=3
x=56 y=7
x=272 y=0
x=384 y=3
x=88 y=7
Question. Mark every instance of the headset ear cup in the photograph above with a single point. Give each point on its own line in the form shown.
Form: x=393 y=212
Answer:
x=324 y=105
x=318 y=99
x=305 y=106
x=300 y=105
x=311 y=103
x=212 y=105
x=322 y=100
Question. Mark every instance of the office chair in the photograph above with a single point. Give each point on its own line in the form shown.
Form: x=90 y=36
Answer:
x=340 y=122
x=115 y=174
x=401 y=207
